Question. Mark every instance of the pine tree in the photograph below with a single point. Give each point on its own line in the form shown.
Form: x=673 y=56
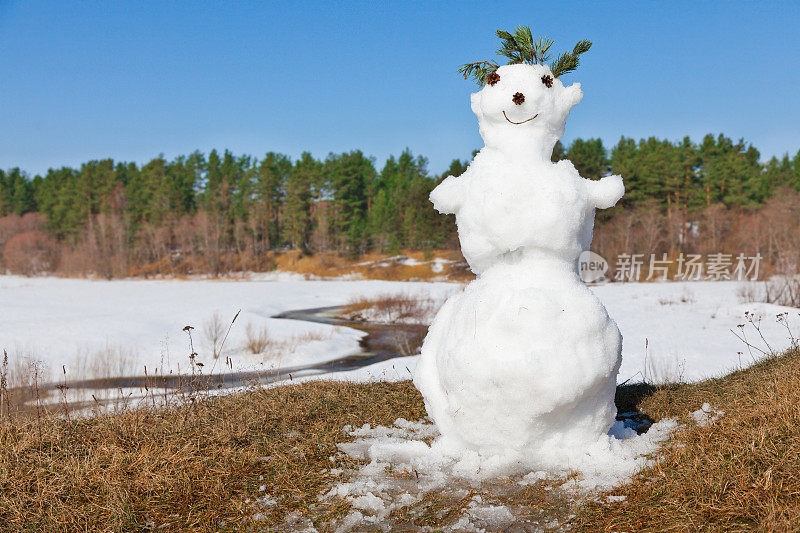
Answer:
x=350 y=173
x=558 y=153
x=589 y=158
x=296 y=213
x=16 y=193
x=383 y=216
x=270 y=180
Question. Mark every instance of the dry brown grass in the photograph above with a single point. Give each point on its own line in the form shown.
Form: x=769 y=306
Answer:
x=197 y=467
x=374 y=265
x=391 y=308
x=258 y=339
x=740 y=474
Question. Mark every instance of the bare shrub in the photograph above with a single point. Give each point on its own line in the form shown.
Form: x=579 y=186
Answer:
x=306 y=337
x=23 y=368
x=781 y=289
x=214 y=331
x=392 y=308
x=9 y=227
x=406 y=343
x=75 y=260
x=29 y=253
x=257 y=339
x=111 y=247
x=748 y=292
x=662 y=368
x=110 y=361
x=715 y=224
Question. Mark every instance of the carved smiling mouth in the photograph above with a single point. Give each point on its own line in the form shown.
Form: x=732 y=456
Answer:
x=523 y=122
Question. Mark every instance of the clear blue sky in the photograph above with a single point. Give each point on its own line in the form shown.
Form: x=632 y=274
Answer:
x=129 y=80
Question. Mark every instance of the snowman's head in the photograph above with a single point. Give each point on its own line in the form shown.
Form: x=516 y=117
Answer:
x=525 y=103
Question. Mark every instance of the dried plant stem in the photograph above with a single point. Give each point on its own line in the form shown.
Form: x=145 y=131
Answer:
x=222 y=344
x=38 y=409
x=63 y=388
x=5 y=406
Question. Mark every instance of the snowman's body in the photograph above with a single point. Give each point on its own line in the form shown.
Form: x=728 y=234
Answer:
x=526 y=357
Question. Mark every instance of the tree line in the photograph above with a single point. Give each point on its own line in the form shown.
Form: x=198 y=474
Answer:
x=231 y=209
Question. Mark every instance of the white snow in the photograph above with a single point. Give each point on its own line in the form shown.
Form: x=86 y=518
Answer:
x=496 y=515
x=400 y=468
x=683 y=330
x=605 y=463
x=113 y=328
x=707 y=415
x=60 y=321
x=673 y=331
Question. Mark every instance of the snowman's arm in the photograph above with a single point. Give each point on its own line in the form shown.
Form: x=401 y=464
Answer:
x=606 y=192
x=448 y=195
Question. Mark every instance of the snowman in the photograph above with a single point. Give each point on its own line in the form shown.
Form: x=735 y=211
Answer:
x=524 y=360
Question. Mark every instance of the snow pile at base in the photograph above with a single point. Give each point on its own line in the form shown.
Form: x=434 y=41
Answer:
x=409 y=459
x=707 y=415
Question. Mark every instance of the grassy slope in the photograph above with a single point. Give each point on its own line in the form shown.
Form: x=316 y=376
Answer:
x=743 y=473
x=191 y=467
x=196 y=466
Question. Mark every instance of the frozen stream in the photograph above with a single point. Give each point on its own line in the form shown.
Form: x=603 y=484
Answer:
x=379 y=344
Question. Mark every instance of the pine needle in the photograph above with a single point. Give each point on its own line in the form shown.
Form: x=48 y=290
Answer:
x=520 y=47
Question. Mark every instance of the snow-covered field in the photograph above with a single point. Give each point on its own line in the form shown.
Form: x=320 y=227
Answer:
x=671 y=331
x=111 y=328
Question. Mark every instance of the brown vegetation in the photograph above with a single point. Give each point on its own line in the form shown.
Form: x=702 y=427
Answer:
x=773 y=230
x=201 y=465
x=197 y=467
x=391 y=309
x=192 y=245
x=375 y=265
x=257 y=339
x=740 y=474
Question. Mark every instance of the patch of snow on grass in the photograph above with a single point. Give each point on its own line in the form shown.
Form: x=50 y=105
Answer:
x=707 y=415
x=409 y=459
x=494 y=516
x=604 y=464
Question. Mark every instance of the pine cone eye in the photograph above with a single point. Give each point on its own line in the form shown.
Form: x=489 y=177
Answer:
x=492 y=78
x=518 y=98
x=547 y=80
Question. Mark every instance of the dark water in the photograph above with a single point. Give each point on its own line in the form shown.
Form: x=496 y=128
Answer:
x=381 y=342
